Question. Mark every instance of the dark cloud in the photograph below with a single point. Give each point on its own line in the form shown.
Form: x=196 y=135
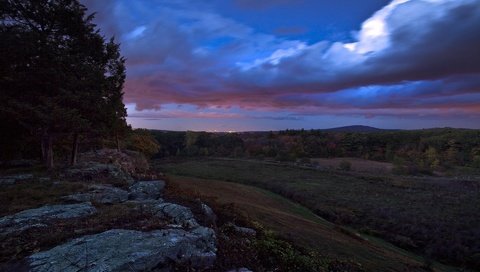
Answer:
x=419 y=57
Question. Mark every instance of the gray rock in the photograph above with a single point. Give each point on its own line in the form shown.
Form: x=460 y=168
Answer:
x=180 y=215
x=130 y=250
x=92 y=171
x=209 y=214
x=7 y=181
x=12 y=179
x=44 y=179
x=244 y=231
x=105 y=194
x=41 y=216
x=146 y=190
x=147 y=204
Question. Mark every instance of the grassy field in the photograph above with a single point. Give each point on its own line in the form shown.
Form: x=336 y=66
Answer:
x=433 y=217
x=302 y=227
x=359 y=165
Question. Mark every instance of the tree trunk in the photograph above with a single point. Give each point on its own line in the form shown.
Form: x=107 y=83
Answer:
x=49 y=149
x=117 y=141
x=73 y=159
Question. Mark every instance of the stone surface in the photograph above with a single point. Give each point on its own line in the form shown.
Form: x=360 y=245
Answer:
x=210 y=216
x=7 y=181
x=92 y=171
x=143 y=190
x=12 y=179
x=105 y=194
x=41 y=216
x=244 y=231
x=130 y=250
x=180 y=215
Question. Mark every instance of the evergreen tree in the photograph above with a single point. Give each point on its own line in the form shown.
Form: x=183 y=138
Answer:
x=57 y=73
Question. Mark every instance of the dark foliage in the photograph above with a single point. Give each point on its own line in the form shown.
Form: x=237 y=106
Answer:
x=412 y=152
x=59 y=78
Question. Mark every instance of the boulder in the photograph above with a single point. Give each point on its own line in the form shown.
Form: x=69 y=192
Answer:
x=92 y=171
x=180 y=215
x=242 y=230
x=130 y=250
x=40 y=217
x=105 y=194
x=143 y=190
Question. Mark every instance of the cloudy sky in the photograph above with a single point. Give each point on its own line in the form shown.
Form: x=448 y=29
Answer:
x=275 y=64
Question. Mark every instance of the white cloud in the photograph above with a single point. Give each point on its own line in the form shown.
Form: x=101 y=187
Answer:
x=374 y=34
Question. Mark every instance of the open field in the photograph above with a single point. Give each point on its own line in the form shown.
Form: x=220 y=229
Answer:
x=437 y=220
x=304 y=228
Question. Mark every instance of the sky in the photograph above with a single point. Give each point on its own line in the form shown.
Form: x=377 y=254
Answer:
x=243 y=65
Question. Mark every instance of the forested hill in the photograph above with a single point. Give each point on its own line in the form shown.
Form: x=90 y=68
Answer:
x=355 y=128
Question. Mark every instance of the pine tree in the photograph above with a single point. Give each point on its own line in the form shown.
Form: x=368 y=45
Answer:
x=57 y=73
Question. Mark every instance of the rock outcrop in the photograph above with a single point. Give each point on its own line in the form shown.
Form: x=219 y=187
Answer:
x=12 y=179
x=92 y=171
x=130 y=250
x=40 y=217
x=177 y=242
x=180 y=215
x=144 y=190
x=105 y=194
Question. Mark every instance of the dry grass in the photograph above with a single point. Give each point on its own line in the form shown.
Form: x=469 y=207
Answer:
x=33 y=194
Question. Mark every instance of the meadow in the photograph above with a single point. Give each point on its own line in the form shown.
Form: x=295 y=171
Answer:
x=431 y=216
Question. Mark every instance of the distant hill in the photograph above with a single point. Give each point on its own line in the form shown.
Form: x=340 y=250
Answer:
x=356 y=128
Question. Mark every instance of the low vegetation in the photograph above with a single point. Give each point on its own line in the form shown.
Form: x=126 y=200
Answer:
x=434 y=217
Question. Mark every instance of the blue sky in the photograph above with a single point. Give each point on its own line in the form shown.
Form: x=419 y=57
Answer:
x=235 y=65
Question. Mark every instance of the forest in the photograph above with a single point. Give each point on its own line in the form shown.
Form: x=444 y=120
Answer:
x=411 y=151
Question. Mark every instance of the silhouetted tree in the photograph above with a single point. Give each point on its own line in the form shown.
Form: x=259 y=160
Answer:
x=57 y=74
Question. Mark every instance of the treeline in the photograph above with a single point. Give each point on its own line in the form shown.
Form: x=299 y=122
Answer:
x=410 y=150
x=61 y=81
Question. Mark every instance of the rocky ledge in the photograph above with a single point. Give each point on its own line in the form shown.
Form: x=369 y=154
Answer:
x=130 y=250
x=177 y=241
x=42 y=217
